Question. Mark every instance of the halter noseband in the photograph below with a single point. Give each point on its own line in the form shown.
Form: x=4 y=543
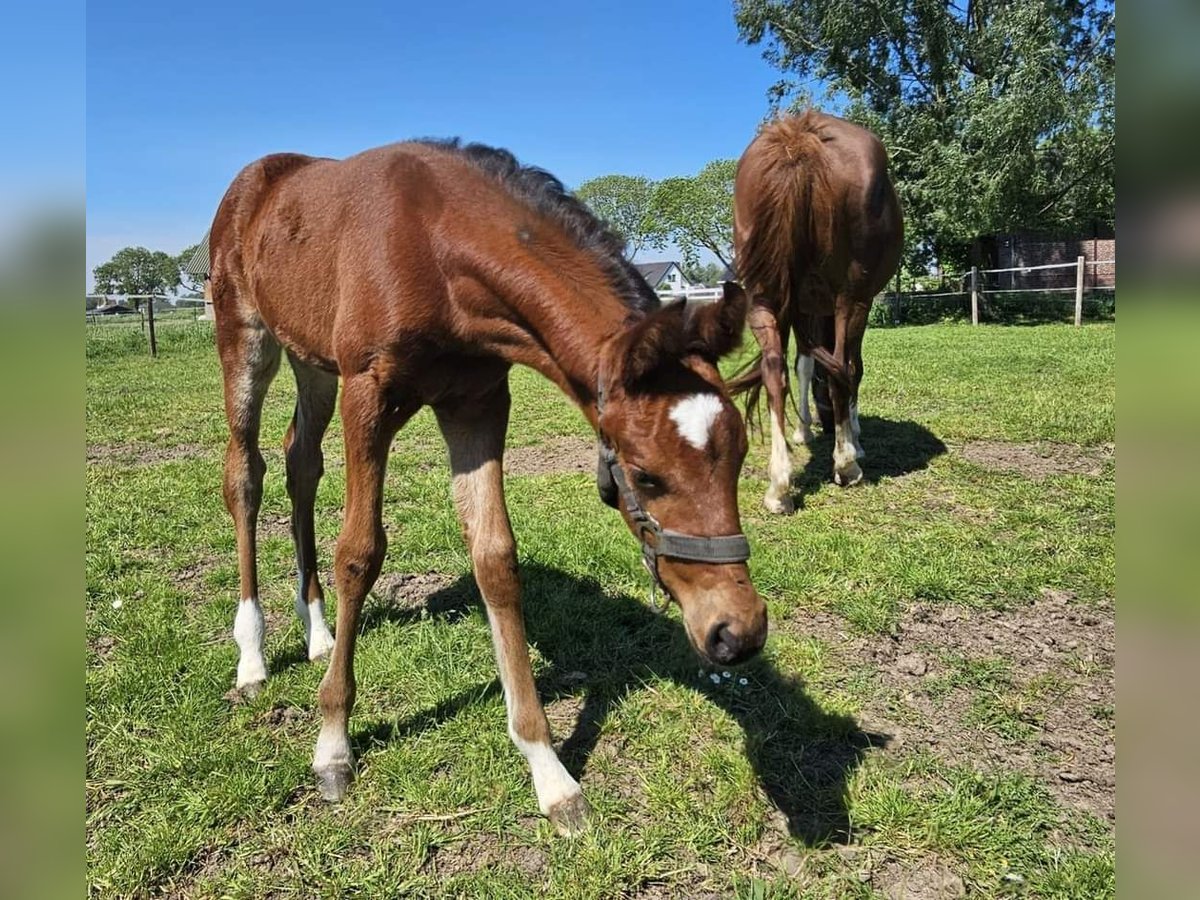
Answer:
x=657 y=541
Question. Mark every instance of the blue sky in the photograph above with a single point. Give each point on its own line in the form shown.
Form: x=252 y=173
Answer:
x=181 y=96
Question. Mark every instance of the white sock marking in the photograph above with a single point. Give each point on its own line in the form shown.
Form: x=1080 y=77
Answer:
x=779 y=469
x=333 y=748
x=551 y=781
x=248 y=628
x=804 y=376
x=316 y=632
x=694 y=417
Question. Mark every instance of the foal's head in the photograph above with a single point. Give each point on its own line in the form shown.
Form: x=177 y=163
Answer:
x=680 y=444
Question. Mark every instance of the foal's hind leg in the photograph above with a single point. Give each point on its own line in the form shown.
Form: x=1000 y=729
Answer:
x=249 y=360
x=316 y=395
x=369 y=421
x=475 y=437
x=767 y=332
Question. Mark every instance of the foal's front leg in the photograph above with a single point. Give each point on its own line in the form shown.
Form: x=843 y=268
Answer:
x=475 y=437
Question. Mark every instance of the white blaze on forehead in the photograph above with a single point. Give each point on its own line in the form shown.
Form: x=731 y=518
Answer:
x=694 y=417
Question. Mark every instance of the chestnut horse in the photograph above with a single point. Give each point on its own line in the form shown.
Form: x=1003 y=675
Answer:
x=817 y=232
x=418 y=273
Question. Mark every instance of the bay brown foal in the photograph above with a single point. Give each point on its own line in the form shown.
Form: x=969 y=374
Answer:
x=418 y=273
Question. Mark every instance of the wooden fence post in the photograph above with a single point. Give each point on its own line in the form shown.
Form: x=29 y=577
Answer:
x=974 y=295
x=1079 y=270
x=153 y=342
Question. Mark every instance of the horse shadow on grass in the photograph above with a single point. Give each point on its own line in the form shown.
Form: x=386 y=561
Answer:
x=893 y=449
x=605 y=645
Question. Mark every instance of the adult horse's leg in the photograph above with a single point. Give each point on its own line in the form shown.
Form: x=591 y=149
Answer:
x=474 y=433
x=368 y=428
x=316 y=395
x=766 y=331
x=856 y=329
x=846 y=471
x=804 y=378
x=249 y=361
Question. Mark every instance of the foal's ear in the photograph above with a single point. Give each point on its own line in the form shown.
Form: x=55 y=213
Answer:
x=648 y=344
x=716 y=328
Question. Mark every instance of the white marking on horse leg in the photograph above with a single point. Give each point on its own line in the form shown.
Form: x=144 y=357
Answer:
x=855 y=432
x=846 y=470
x=694 y=417
x=248 y=628
x=552 y=783
x=333 y=748
x=779 y=471
x=804 y=375
x=316 y=631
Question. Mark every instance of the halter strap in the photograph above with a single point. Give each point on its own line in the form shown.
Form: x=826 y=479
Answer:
x=657 y=541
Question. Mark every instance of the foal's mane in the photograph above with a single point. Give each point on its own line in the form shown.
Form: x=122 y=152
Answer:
x=547 y=196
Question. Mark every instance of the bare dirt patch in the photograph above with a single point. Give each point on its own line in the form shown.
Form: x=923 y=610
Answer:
x=141 y=454
x=1037 y=461
x=102 y=647
x=1030 y=689
x=410 y=590
x=559 y=456
x=485 y=850
x=930 y=881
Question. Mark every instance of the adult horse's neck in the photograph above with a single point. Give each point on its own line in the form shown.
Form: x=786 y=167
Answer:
x=558 y=323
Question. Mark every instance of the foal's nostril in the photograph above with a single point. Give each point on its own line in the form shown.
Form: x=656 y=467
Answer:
x=723 y=645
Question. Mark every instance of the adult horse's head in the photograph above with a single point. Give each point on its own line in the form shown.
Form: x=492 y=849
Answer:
x=672 y=449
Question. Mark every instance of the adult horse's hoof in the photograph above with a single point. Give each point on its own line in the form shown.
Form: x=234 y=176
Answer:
x=570 y=816
x=802 y=435
x=320 y=647
x=333 y=781
x=849 y=476
x=781 y=506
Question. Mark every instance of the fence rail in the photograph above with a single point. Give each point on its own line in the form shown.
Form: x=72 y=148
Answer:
x=975 y=286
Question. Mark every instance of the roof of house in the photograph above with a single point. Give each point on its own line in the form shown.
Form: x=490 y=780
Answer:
x=199 y=264
x=655 y=271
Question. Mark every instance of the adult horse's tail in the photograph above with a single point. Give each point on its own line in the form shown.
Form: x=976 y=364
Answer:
x=793 y=221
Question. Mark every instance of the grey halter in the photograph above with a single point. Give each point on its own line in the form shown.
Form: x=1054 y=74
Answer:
x=658 y=541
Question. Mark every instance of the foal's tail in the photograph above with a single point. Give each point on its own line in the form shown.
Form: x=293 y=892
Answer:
x=794 y=220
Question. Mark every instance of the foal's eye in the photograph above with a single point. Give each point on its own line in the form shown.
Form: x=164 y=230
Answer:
x=646 y=481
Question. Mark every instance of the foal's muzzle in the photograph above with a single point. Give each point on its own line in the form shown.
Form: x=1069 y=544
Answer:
x=727 y=646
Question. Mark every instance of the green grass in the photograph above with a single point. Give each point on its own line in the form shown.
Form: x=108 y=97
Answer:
x=187 y=794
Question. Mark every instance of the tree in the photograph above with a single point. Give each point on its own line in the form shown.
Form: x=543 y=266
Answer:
x=999 y=116
x=187 y=280
x=623 y=202
x=136 y=270
x=709 y=273
x=697 y=213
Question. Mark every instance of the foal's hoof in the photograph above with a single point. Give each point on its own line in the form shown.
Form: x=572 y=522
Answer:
x=333 y=782
x=570 y=816
x=802 y=435
x=849 y=476
x=245 y=691
x=781 y=506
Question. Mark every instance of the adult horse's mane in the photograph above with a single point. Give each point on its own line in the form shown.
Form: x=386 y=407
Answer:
x=547 y=196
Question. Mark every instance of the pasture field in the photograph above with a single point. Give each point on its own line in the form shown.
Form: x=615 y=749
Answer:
x=933 y=715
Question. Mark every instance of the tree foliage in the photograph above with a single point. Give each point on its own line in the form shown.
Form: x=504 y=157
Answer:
x=998 y=114
x=136 y=270
x=623 y=202
x=709 y=273
x=696 y=213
